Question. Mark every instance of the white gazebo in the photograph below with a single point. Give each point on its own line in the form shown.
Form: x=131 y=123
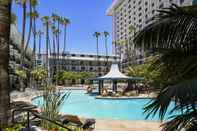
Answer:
x=114 y=75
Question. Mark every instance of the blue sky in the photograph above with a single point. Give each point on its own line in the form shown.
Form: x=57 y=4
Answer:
x=86 y=16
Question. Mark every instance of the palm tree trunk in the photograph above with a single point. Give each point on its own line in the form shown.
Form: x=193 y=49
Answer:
x=97 y=53
x=64 y=49
x=106 y=51
x=5 y=20
x=58 y=48
x=23 y=33
x=34 y=37
x=65 y=34
x=40 y=39
x=47 y=47
x=30 y=27
x=54 y=56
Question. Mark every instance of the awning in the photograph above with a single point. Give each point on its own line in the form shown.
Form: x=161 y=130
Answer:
x=115 y=74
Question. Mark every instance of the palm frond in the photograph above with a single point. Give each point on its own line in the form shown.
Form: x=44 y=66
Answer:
x=174 y=28
x=183 y=93
x=187 y=121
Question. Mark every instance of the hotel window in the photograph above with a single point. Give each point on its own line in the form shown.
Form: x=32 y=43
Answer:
x=146 y=9
x=161 y=6
x=82 y=68
x=153 y=4
x=139 y=8
x=129 y=6
x=146 y=3
x=139 y=2
x=140 y=14
x=73 y=68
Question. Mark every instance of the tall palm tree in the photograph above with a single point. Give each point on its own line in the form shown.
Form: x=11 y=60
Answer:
x=57 y=21
x=5 y=21
x=46 y=22
x=24 y=6
x=53 y=29
x=30 y=15
x=106 y=34
x=97 y=35
x=39 y=33
x=173 y=36
x=64 y=22
x=120 y=44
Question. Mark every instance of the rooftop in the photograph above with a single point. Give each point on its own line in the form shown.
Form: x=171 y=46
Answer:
x=113 y=6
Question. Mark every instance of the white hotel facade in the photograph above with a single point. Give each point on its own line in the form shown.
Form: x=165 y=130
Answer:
x=137 y=14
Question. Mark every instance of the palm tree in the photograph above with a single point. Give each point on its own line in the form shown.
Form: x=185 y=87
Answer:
x=5 y=21
x=65 y=23
x=173 y=36
x=54 y=33
x=39 y=33
x=46 y=22
x=97 y=35
x=24 y=6
x=120 y=44
x=57 y=19
x=106 y=34
x=34 y=16
x=30 y=15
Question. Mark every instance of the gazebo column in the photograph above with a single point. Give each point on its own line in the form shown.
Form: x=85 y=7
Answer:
x=115 y=86
x=129 y=84
x=100 y=86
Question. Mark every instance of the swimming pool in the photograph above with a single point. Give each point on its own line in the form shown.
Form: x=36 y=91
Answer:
x=84 y=105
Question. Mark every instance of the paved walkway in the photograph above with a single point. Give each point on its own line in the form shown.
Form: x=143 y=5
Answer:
x=120 y=125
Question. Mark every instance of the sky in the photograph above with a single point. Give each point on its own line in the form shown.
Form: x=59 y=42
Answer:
x=86 y=16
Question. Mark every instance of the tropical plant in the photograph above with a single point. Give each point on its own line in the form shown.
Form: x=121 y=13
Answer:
x=14 y=128
x=39 y=73
x=151 y=76
x=69 y=75
x=53 y=100
x=120 y=44
x=21 y=73
x=173 y=35
x=106 y=35
x=5 y=20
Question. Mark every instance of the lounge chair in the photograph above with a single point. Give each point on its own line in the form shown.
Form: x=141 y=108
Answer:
x=23 y=107
x=85 y=124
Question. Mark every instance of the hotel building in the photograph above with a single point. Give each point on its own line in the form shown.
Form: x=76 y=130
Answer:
x=79 y=62
x=130 y=16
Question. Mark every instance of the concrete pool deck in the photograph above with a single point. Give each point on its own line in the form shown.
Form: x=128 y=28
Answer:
x=126 y=125
x=102 y=124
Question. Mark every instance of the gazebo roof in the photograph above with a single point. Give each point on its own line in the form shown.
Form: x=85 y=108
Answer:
x=115 y=74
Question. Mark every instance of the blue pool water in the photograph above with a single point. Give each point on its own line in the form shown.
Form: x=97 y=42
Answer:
x=84 y=105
